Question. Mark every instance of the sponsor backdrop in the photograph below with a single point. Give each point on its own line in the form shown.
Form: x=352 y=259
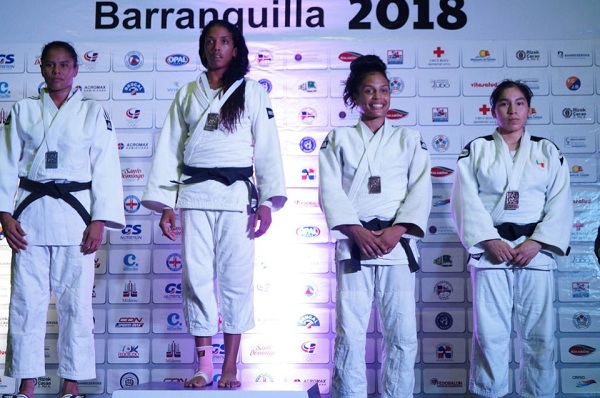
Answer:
x=444 y=59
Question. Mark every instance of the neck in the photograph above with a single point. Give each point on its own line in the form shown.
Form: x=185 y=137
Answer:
x=215 y=78
x=511 y=138
x=374 y=124
x=59 y=97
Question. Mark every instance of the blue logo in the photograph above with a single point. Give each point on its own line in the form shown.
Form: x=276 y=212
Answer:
x=266 y=83
x=444 y=320
x=129 y=260
x=308 y=144
x=132 y=229
x=133 y=88
x=177 y=59
x=134 y=60
x=131 y=203
x=174 y=262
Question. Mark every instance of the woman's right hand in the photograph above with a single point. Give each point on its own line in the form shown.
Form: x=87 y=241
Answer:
x=499 y=250
x=167 y=223
x=15 y=235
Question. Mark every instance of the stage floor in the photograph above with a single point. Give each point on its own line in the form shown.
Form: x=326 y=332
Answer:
x=254 y=390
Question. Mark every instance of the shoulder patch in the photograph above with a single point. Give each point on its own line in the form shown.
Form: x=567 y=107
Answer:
x=325 y=143
x=423 y=144
x=7 y=120
x=270 y=113
x=539 y=139
x=108 y=121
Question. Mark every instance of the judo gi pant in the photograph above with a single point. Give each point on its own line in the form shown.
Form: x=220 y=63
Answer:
x=393 y=287
x=70 y=275
x=500 y=297
x=216 y=246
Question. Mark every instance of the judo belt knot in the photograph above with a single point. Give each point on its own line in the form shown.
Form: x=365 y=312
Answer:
x=54 y=190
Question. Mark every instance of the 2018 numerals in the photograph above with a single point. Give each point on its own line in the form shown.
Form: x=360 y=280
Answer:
x=452 y=16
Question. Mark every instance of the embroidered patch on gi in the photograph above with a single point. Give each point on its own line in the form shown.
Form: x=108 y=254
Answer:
x=423 y=144
x=325 y=143
x=270 y=113
x=7 y=120
x=464 y=153
x=108 y=121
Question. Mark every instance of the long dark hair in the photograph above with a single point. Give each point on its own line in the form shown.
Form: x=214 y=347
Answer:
x=360 y=68
x=233 y=108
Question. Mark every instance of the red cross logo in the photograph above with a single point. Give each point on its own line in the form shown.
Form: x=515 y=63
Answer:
x=438 y=52
x=131 y=204
x=484 y=109
x=578 y=226
x=175 y=262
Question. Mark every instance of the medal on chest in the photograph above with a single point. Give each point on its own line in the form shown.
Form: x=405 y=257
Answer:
x=51 y=160
x=512 y=200
x=212 y=122
x=374 y=184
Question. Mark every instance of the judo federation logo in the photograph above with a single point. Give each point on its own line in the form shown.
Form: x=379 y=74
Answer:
x=266 y=83
x=396 y=85
x=308 y=174
x=395 y=57
x=444 y=352
x=439 y=114
x=129 y=379
x=440 y=143
x=307 y=115
x=309 y=321
x=308 y=144
x=134 y=60
x=582 y=320
x=443 y=289
x=264 y=58
x=580 y=289
x=444 y=320
x=133 y=88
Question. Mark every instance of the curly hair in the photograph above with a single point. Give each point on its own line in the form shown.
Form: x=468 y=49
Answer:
x=360 y=68
x=233 y=108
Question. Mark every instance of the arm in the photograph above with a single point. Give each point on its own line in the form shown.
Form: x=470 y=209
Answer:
x=473 y=222
x=414 y=211
x=159 y=192
x=107 y=187
x=268 y=163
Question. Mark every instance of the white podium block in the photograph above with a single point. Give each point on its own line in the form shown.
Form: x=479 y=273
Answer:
x=254 y=390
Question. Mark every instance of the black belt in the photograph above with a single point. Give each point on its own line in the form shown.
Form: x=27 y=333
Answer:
x=224 y=175
x=377 y=225
x=511 y=232
x=56 y=191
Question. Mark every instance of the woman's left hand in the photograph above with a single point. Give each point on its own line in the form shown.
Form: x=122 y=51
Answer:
x=525 y=252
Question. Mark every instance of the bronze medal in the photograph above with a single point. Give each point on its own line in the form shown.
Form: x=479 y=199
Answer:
x=374 y=184
x=212 y=122
x=512 y=200
x=51 y=160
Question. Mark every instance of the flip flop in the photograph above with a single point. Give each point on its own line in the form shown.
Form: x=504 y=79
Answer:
x=73 y=396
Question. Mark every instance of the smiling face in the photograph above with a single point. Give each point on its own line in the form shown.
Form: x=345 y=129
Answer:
x=373 y=98
x=511 y=111
x=59 y=69
x=219 y=48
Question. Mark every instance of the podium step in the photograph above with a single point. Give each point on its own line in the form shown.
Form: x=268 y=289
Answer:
x=254 y=390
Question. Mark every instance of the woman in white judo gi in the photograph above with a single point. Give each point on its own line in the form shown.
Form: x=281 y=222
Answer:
x=220 y=130
x=512 y=205
x=375 y=191
x=60 y=165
